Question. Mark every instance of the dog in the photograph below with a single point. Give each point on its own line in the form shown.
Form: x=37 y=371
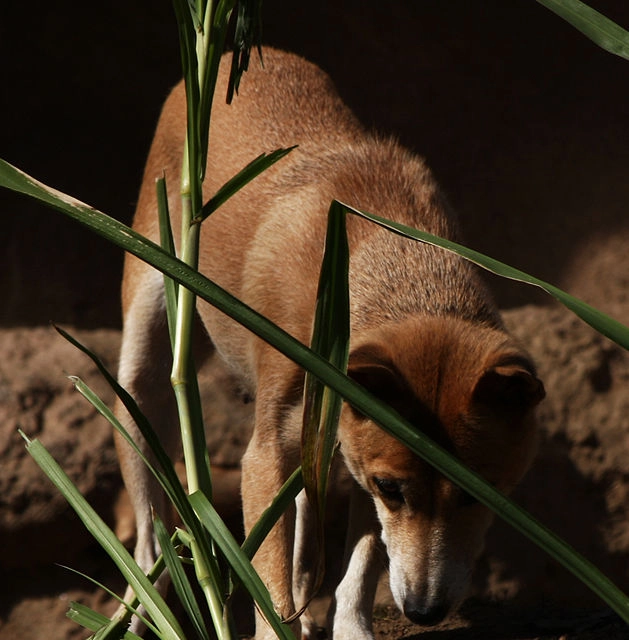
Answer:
x=425 y=337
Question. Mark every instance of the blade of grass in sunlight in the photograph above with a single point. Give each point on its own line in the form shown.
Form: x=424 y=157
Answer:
x=165 y=474
x=609 y=327
x=92 y=620
x=168 y=244
x=592 y=24
x=322 y=405
x=330 y=339
x=109 y=629
x=180 y=580
x=163 y=618
x=239 y=563
x=243 y=177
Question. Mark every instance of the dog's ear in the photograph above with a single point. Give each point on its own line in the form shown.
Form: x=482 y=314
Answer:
x=371 y=367
x=510 y=386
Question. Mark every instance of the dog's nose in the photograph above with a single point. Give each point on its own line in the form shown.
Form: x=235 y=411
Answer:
x=426 y=615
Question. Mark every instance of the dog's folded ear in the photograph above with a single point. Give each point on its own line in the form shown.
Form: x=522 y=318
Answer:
x=372 y=368
x=510 y=386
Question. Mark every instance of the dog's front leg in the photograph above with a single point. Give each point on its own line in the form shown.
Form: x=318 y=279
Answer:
x=304 y=564
x=264 y=470
x=354 y=597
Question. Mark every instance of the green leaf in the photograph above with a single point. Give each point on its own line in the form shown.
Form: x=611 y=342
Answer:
x=609 y=327
x=247 y=33
x=94 y=621
x=243 y=177
x=149 y=597
x=322 y=405
x=180 y=580
x=166 y=475
x=115 y=628
x=239 y=563
x=209 y=51
x=592 y=24
x=168 y=244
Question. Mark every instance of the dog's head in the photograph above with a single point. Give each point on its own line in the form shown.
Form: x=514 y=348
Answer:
x=472 y=390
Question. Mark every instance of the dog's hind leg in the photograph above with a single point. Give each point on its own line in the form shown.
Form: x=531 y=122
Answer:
x=271 y=456
x=144 y=371
x=352 y=609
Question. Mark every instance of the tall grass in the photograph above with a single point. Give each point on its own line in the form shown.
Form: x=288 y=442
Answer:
x=220 y=564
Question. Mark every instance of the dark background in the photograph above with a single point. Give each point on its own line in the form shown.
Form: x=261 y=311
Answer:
x=523 y=120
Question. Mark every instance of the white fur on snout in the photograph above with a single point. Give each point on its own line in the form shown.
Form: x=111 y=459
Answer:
x=423 y=572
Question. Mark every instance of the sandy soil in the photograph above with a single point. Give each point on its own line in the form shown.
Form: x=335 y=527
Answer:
x=578 y=486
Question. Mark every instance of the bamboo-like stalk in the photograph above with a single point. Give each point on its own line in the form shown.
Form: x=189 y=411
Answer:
x=198 y=93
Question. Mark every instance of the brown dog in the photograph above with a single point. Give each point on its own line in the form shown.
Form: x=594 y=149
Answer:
x=425 y=338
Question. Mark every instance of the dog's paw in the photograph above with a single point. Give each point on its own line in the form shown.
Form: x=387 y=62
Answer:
x=313 y=632
x=351 y=629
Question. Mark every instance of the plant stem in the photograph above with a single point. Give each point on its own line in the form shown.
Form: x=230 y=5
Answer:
x=182 y=347
x=212 y=594
x=183 y=376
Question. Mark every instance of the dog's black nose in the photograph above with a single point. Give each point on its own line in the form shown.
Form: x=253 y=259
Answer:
x=426 y=615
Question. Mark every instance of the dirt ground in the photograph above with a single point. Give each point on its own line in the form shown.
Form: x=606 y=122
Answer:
x=524 y=123
x=579 y=487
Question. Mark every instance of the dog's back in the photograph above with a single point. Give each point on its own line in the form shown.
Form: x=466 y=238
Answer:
x=288 y=102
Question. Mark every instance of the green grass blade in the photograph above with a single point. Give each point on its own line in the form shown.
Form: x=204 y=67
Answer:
x=149 y=597
x=199 y=444
x=209 y=50
x=243 y=177
x=115 y=628
x=173 y=489
x=180 y=580
x=168 y=244
x=322 y=405
x=592 y=24
x=609 y=327
x=109 y=415
x=166 y=475
x=94 y=621
x=331 y=341
x=247 y=33
x=239 y=563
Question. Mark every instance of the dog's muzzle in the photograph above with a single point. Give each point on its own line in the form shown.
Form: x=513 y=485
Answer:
x=426 y=615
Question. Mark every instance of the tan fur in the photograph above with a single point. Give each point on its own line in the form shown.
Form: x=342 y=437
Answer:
x=425 y=336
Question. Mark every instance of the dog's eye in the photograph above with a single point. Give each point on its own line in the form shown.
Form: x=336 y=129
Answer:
x=389 y=489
